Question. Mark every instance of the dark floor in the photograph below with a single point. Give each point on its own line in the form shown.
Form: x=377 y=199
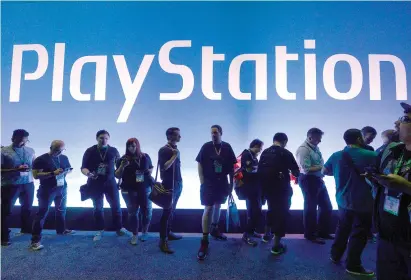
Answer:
x=77 y=257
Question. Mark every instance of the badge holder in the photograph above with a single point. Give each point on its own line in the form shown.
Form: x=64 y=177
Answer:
x=101 y=170
x=139 y=177
x=60 y=180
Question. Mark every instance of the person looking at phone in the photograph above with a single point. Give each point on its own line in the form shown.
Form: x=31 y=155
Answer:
x=134 y=171
x=51 y=169
x=393 y=204
x=16 y=182
x=98 y=166
x=170 y=172
x=354 y=199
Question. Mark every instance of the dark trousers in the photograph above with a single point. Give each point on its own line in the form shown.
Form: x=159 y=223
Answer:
x=113 y=198
x=167 y=216
x=352 y=231
x=46 y=196
x=393 y=261
x=279 y=204
x=9 y=195
x=315 y=195
x=253 y=204
x=138 y=204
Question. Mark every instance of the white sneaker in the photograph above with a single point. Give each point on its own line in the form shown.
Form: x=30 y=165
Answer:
x=98 y=235
x=121 y=232
x=133 y=240
x=144 y=236
x=36 y=246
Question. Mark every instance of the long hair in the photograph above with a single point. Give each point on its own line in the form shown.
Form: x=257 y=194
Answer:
x=138 y=153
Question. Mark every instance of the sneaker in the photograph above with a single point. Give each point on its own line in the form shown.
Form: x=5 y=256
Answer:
x=36 y=246
x=316 y=240
x=248 y=240
x=279 y=249
x=326 y=236
x=98 y=235
x=172 y=236
x=133 y=240
x=218 y=235
x=267 y=237
x=334 y=260
x=360 y=271
x=257 y=235
x=144 y=237
x=165 y=247
x=5 y=243
x=121 y=232
x=67 y=232
x=203 y=251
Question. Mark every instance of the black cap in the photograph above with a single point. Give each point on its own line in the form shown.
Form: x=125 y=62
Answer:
x=407 y=107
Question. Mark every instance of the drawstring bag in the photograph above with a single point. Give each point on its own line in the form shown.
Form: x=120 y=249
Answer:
x=232 y=220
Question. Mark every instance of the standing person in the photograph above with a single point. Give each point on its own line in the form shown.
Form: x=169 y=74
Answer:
x=274 y=169
x=310 y=161
x=134 y=171
x=354 y=199
x=16 y=182
x=216 y=161
x=251 y=190
x=51 y=169
x=170 y=173
x=388 y=136
x=98 y=166
x=393 y=203
x=368 y=133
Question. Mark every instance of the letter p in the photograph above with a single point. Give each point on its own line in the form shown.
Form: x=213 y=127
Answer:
x=43 y=60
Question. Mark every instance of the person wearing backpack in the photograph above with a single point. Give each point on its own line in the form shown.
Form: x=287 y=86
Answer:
x=250 y=190
x=354 y=199
x=274 y=169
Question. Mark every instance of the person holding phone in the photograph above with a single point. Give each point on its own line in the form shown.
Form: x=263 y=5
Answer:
x=134 y=171
x=16 y=182
x=99 y=166
x=392 y=211
x=51 y=169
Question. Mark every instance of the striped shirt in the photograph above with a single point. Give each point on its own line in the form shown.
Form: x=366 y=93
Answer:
x=308 y=156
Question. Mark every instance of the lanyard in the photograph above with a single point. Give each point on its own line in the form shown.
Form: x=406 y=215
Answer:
x=54 y=163
x=23 y=159
x=218 y=152
x=105 y=153
x=400 y=164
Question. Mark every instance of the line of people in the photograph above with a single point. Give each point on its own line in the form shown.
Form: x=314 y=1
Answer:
x=363 y=178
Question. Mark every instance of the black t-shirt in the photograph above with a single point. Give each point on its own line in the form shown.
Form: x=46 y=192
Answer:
x=101 y=161
x=396 y=228
x=275 y=166
x=164 y=155
x=249 y=165
x=136 y=174
x=48 y=163
x=217 y=162
x=368 y=147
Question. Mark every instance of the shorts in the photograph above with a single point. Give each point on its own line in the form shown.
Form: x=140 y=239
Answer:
x=213 y=194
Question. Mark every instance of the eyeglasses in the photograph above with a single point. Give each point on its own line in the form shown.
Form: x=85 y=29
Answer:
x=405 y=119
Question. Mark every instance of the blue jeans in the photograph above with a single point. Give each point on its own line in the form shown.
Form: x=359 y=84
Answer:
x=110 y=190
x=46 y=196
x=138 y=204
x=167 y=217
x=315 y=194
x=9 y=195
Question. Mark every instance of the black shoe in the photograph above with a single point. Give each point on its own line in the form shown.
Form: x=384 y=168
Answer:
x=326 y=236
x=165 y=248
x=5 y=243
x=257 y=235
x=248 y=240
x=267 y=238
x=217 y=234
x=360 y=271
x=172 y=236
x=203 y=251
x=279 y=249
x=316 y=240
